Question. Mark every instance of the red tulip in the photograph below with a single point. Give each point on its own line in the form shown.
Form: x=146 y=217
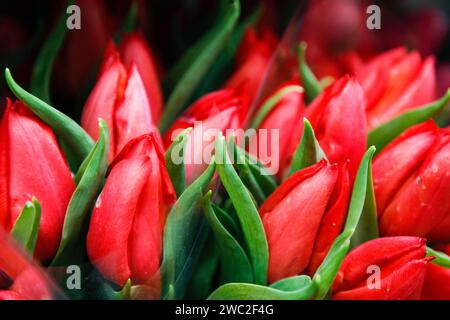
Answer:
x=125 y=234
x=32 y=164
x=252 y=60
x=134 y=50
x=119 y=97
x=437 y=283
x=303 y=216
x=411 y=183
x=286 y=117
x=383 y=269
x=396 y=81
x=213 y=113
x=338 y=119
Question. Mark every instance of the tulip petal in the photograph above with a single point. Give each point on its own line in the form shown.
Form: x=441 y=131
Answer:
x=399 y=160
x=108 y=239
x=290 y=209
x=419 y=205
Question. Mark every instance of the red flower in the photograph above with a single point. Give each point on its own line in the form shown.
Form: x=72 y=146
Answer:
x=286 y=117
x=396 y=81
x=383 y=269
x=32 y=164
x=338 y=119
x=125 y=234
x=252 y=60
x=216 y=111
x=120 y=98
x=411 y=183
x=134 y=50
x=303 y=216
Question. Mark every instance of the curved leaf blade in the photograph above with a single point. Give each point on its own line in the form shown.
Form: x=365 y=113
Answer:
x=235 y=264
x=310 y=82
x=196 y=62
x=385 y=133
x=65 y=128
x=329 y=267
x=184 y=234
x=246 y=291
x=176 y=169
x=42 y=71
x=251 y=224
x=308 y=151
x=440 y=258
x=26 y=227
x=88 y=179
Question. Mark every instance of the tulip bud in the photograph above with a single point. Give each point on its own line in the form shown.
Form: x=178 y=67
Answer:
x=303 y=216
x=32 y=164
x=252 y=60
x=411 y=183
x=286 y=117
x=396 y=81
x=211 y=114
x=339 y=123
x=383 y=269
x=125 y=234
x=120 y=98
x=134 y=50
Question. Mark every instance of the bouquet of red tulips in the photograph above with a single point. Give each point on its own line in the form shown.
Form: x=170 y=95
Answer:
x=309 y=164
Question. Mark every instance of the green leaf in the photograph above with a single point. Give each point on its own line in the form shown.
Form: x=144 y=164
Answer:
x=88 y=180
x=235 y=266
x=65 y=128
x=270 y=103
x=385 y=133
x=310 y=82
x=184 y=234
x=440 y=258
x=367 y=228
x=228 y=222
x=26 y=227
x=196 y=62
x=308 y=151
x=220 y=69
x=292 y=283
x=253 y=174
x=125 y=292
x=246 y=291
x=42 y=71
x=202 y=281
x=329 y=267
x=177 y=170
x=250 y=221
x=129 y=23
